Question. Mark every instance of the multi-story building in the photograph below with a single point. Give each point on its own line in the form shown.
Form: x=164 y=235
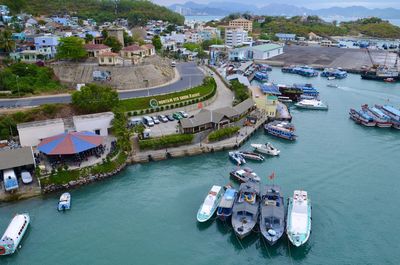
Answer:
x=209 y=33
x=117 y=33
x=235 y=36
x=48 y=41
x=247 y=25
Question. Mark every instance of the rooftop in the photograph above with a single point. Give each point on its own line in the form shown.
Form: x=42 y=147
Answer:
x=267 y=47
x=91 y=46
x=39 y=123
x=16 y=158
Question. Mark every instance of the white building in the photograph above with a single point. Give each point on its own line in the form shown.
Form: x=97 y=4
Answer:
x=235 y=37
x=259 y=52
x=31 y=133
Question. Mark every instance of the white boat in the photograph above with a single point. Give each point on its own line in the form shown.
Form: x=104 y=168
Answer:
x=237 y=158
x=65 y=202
x=210 y=204
x=332 y=85
x=331 y=78
x=313 y=104
x=14 y=233
x=267 y=148
x=298 y=223
x=251 y=156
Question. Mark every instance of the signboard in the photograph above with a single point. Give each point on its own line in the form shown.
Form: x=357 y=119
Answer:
x=156 y=103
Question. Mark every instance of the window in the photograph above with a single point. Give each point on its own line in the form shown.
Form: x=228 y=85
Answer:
x=97 y=131
x=110 y=60
x=102 y=60
x=43 y=41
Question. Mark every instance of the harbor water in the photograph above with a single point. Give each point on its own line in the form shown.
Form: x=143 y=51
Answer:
x=147 y=214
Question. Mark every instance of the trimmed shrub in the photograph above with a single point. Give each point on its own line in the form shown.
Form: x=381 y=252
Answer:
x=223 y=133
x=166 y=141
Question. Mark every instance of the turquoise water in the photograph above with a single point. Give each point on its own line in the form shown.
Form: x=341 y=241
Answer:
x=147 y=214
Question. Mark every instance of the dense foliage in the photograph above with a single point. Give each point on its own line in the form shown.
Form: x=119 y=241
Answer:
x=374 y=27
x=113 y=42
x=223 y=133
x=206 y=90
x=166 y=141
x=241 y=91
x=207 y=43
x=71 y=48
x=93 y=98
x=121 y=131
x=22 y=78
x=138 y=12
x=7 y=44
x=157 y=42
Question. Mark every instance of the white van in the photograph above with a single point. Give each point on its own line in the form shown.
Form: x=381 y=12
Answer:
x=135 y=121
x=10 y=180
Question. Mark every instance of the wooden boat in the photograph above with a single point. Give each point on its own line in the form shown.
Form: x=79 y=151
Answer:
x=14 y=233
x=251 y=155
x=361 y=117
x=298 y=223
x=224 y=210
x=65 y=202
x=210 y=204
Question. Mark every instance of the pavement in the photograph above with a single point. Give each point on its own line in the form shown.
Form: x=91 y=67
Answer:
x=190 y=76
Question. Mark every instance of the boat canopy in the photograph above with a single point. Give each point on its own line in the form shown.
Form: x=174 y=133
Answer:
x=392 y=110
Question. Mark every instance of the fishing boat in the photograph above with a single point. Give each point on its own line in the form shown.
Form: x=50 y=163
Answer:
x=261 y=76
x=251 y=155
x=334 y=73
x=307 y=89
x=272 y=214
x=281 y=129
x=64 y=202
x=382 y=120
x=389 y=80
x=298 y=223
x=246 y=209
x=291 y=92
x=210 y=204
x=393 y=113
x=224 y=210
x=14 y=233
x=362 y=117
x=267 y=148
x=244 y=175
x=264 y=68
x=312 y=104
x=236 y=158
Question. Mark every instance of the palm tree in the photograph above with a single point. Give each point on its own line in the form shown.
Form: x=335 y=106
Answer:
x=6 y=41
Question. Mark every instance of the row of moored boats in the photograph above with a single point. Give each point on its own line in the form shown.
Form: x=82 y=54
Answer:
x=264 y=205
x=382 y=116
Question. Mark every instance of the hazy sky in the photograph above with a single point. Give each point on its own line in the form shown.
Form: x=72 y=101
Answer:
x=305 y=3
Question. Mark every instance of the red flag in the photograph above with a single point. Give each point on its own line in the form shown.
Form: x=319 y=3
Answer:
x=272 y=176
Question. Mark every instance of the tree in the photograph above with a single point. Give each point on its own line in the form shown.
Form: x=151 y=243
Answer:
x=112 y=42
x=88 y=38
x=207 y=43
x=157 y=42
x=6 y=41
x=71 y=48
x=94 y=98
x=128 y=40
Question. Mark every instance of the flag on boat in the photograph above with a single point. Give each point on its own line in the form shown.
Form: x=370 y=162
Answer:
x=272 y=176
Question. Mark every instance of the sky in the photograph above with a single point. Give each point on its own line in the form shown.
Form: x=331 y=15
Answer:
x=312 y=4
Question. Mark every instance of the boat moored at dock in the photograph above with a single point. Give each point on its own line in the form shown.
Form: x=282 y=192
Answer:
x=244 y=175
x=361 y=117
x=260 y=76
x=302 y=70
x=210 y=204
x=246 y=209
x=251 y=156
x=14 y=233
x=298 y=223
x=281 y=129
x=224 y=210
x=236 y=158
x=336 y=73
x=382 y=120
x=64 y=202
x=311 y=104
x=272 y=213
x=266 y=148
x=393 y=113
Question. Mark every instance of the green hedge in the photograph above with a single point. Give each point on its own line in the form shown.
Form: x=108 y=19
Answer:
x=139 y=105
x=166 y=141
x=223 y=133
x=241 y=91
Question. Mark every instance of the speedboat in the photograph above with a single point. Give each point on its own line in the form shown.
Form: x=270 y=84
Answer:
x=236 y=158
x=361 y=117
x=272 y=213
x=313 y=104
x=224 y=210
x=14 y=233
x=245 y=209
x=281 y=129
x=382 y=120
x=267 y=148
x=298 y=223
x=210 y=204
x=331 y=78
x=65 y=202
x=332 y=85
x=244 y=175
x=251 y=155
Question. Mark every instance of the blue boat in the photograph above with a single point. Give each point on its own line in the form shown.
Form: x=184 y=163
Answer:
x=236 y=158
x=10 y=180
x=362 y=117
x=382 y=120
x=281 y=129
x=393 y=113
x=334 y=72
x=65 y=202
x=224 y=210
x=300 y=70
x=264 y=68
x=261 y=76
x=308 y=90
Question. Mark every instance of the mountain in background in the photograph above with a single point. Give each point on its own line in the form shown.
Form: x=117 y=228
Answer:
x=281 y=9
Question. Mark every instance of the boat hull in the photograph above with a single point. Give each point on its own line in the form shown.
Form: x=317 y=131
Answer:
x=298 y=239
x=300 y=106
x=290 y=138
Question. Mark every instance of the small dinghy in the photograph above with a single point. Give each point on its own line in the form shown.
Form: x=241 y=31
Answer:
x=332 y=85
x=251 y=155
x=210 y=204
x=65 y=202
x=267 y=148
x=236 y=158
x=331 y=78
x=245 y=175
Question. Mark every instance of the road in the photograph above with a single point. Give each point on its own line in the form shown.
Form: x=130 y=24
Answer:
x=190 y=75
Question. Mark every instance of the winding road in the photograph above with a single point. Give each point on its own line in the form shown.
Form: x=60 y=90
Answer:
x=190 y=75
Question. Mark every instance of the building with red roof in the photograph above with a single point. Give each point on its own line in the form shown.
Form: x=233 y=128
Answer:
x=94 y=50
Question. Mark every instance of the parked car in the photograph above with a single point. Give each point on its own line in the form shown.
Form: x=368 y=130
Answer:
x=148 y=121
x=156 y=120
x=135 y=121
x=162 y=118
x=26 y=177
x=184 y=114
x=170 y=117
x=177 y=116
